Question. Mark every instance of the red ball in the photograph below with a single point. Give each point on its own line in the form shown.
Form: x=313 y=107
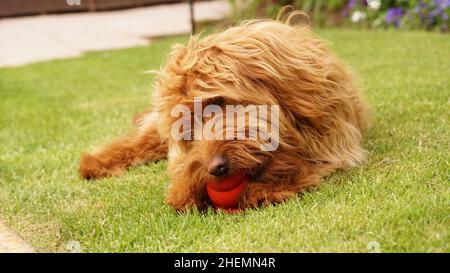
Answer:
x=225 y=193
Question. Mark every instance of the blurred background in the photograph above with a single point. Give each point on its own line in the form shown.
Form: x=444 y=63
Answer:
x=65 y=28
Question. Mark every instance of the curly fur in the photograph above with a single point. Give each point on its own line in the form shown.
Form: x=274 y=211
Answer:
x=260 y=62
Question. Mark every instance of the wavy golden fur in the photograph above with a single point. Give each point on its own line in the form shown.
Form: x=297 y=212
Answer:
x=260 y=62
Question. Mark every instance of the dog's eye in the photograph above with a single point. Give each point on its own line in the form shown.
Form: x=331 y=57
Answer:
x=220 y=101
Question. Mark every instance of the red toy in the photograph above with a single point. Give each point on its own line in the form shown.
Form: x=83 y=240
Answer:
x=225 y=193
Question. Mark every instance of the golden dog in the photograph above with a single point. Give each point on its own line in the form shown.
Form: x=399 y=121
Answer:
x=260 y=62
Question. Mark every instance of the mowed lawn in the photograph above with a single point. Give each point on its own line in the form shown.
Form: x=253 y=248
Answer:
x=51 y=112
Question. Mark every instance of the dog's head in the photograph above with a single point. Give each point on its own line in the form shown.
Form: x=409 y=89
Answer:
x=249 y=73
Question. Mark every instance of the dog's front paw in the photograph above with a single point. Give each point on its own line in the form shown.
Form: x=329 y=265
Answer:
x=92 y=168
x=260 y=194
x=182 y=199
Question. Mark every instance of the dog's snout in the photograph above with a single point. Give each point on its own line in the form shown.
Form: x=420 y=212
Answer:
x=218 y=166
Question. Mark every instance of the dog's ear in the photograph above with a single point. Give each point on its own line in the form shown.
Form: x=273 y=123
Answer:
x=290 y=16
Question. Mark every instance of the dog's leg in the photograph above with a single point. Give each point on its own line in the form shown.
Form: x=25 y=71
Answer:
x=259 y=193
x=186 y=189
x=183 y=196
x=143 y=145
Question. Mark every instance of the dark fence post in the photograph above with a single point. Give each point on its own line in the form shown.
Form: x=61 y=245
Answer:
x=191 y=10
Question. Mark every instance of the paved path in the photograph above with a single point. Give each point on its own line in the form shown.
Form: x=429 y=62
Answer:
x=10 y=242
x=45 y=37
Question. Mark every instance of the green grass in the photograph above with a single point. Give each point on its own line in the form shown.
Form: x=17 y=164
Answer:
x=51 y=112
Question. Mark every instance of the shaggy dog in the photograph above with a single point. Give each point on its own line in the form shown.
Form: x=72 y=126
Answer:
x=261 y=62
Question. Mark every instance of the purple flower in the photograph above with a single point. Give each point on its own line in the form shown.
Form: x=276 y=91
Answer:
x=394 y=15
x=350 y=5
x=434 y=13
x=420 y=9
x=443 y=4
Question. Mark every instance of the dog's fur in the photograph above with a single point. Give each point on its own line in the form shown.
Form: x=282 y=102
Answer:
x=260 y=62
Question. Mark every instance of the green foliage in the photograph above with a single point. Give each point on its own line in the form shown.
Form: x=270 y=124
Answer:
x=316 y=8
x=319 y=9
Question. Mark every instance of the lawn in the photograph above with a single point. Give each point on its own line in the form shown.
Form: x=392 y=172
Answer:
x=51 y=112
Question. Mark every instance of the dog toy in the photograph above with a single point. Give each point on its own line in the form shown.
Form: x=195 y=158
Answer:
x=225 y=193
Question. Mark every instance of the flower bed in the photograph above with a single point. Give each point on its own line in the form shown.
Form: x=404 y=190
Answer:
x=398 y=14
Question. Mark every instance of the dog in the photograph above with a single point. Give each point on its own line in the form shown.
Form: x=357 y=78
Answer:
x=321 y=117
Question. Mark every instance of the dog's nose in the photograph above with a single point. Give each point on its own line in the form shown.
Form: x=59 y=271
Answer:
x=218 y=166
